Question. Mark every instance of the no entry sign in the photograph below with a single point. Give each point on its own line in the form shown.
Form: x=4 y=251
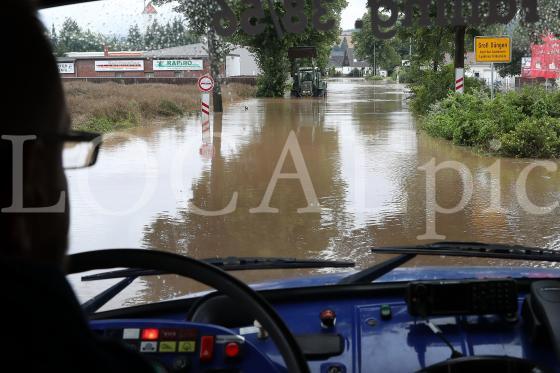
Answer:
x=205 y=83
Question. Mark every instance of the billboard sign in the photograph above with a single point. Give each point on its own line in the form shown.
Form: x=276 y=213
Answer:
x=66 y=67
x=191 y=65
x=119 y=65
x=492 y=49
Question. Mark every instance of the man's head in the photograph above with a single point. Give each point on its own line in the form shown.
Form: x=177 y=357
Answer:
x=32 y=104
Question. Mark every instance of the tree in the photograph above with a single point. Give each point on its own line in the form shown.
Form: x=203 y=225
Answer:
x=524 y=33
x=271 y=50
x=135 y=40
x=69 y=37
x=199 y=19
x=378 y=52
x=53 y=37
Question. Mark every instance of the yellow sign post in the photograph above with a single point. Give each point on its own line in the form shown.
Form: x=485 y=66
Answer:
x=492 y=49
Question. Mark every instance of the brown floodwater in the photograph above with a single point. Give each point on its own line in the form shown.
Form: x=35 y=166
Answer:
x=362 y=150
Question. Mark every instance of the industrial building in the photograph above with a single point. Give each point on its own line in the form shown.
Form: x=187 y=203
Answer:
x=188 y=61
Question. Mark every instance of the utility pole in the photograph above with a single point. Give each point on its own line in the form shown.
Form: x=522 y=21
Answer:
x=460 y=59
x=374 y=65
x=215 y=71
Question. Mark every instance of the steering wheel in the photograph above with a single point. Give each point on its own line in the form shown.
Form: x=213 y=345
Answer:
x=203 y=273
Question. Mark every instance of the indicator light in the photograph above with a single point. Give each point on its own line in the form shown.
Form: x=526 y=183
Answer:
x=232 y=350
x=386 y=313
x=328 y=318
x=150 y=334
x=206 y=348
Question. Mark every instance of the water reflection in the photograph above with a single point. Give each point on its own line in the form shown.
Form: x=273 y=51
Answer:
x=362 y=151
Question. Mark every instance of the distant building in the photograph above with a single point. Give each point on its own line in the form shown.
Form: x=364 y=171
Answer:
x=347 y=34
x=483 y=71
x=187 y=61
x=344 y=62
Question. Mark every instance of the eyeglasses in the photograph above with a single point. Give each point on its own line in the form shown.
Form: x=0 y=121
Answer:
x=80 y=149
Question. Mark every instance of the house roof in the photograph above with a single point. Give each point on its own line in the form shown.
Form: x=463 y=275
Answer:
x=112 y=55
x=191 y=50
x=340 y=58
x=336 y=59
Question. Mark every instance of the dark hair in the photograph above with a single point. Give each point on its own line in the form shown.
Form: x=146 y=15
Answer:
x=32 y=103
x=32 y=91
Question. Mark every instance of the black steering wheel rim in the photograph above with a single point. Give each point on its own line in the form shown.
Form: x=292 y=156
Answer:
x=206 y=274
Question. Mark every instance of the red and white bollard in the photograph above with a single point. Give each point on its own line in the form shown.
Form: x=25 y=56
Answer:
x=459 y=80
x=205 y=85
x=205 y=108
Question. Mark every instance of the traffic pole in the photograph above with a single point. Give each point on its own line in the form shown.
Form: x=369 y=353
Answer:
x=492 y=80
x=205 y=109
x=460 y=59
x=459 y=80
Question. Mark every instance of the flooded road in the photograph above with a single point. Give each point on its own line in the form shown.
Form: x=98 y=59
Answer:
x=362 y=151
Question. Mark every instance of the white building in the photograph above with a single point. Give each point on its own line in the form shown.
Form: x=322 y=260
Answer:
x=484 y=71
x=239 y=62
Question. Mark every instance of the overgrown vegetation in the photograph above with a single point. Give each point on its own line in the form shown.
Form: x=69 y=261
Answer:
x=429 y=87
x=515 y=124
x=105 y=107
x=271 y=51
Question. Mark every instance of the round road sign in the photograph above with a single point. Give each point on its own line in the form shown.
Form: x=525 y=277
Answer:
x=205 y=83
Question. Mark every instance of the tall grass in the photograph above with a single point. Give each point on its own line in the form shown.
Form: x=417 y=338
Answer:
x=105 y=107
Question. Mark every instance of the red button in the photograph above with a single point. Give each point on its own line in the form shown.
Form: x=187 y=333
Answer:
x=150 y=334
x=232 y=350
x=206 y=348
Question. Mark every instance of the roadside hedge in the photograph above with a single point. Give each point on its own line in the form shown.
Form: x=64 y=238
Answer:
x=514 y=124
x=429 y=87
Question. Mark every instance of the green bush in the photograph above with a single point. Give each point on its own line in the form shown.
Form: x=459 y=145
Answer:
x=516 y=124
x=533 y=137
x=429 y=87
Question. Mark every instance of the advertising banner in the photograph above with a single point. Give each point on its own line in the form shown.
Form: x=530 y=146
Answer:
x=119 y=65
x=66 y=67
x=191 y=65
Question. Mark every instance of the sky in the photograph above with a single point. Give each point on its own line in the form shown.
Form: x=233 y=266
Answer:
x=116 y=16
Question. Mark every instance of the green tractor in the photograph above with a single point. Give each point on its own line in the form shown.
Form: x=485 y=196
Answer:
x=307 y=81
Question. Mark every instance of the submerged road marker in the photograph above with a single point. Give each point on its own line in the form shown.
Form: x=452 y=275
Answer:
x=205 y=85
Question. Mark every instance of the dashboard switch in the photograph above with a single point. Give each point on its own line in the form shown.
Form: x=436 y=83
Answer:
x=386 y=313
x=206 y=348
x=232 y=350
x=328 y=318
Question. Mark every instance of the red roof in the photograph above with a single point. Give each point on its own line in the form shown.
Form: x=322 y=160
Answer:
x=150 y=9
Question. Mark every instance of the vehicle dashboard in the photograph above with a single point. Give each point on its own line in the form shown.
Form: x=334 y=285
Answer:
x=373 y=330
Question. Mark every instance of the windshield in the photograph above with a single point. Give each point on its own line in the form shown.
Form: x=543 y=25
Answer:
x=407 y=126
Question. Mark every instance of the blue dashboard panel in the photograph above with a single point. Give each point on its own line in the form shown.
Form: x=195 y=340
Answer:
x=403 y=343
x=371 y=342
x=181 y=346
